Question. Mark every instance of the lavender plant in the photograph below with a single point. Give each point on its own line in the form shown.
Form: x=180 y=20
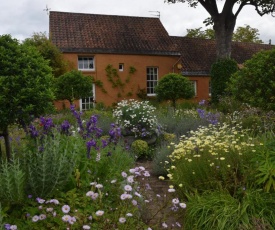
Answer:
x=12 y=182
x=51 y=168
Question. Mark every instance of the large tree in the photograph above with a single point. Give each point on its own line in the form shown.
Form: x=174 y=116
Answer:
x=25 y=85
x=224 y=22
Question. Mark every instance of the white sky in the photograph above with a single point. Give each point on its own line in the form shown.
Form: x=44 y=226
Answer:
x=21 y=18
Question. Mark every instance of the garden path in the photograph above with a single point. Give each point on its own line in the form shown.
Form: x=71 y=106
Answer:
x=158 y=209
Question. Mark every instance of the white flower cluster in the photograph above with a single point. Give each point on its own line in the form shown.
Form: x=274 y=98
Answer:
x=136 y=117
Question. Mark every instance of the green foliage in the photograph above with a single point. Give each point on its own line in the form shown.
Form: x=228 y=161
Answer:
x=246 y=34
x=255 y=83
x=161 y=160
x=173 y=87
x=117 y=82
x=49 y=52
x=25 y=83
x=179 y=121
x=50 y=164
x=198 y=33
x=242 y=34
x=73 y=85
x=265 y=161
x=219 y=210
x=140 y=148
x=12 y=182
x=220 y=73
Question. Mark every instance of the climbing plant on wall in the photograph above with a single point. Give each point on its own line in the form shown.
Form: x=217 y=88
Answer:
x=119 y=83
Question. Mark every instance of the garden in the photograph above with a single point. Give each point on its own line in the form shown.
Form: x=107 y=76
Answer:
x=74 y=170
x=141 y=164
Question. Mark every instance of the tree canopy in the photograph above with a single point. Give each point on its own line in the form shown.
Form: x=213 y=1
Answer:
x=241 y=34
x=25 y=85
x=174 y=86
x=73 y=85
x=224 y=21
x=255 y=82
x=49 y=52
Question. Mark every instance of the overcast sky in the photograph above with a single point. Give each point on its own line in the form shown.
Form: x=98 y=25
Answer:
x=21 y=18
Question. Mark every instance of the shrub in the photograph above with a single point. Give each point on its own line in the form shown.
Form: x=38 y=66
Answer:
x=136 y=118
x=254 y=84
x=50 y=165
x=209 y=158
x=220 y=74
x=140 y=148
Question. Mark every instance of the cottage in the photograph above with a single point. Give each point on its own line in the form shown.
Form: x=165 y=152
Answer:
x=128 y=55
x=125 y=55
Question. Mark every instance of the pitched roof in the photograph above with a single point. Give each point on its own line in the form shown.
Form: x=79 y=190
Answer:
x=197 y=54
x=78 y=32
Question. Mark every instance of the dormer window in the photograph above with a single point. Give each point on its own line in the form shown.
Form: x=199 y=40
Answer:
x=86 y=63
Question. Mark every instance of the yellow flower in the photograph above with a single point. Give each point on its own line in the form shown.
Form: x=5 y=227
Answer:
x=161 y=178
x=169 y=175
x=180 y=185
x=222 y=158
x=173 y=167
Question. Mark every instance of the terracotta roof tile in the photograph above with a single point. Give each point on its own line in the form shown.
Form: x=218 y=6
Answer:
x=199 y=54
x=77 y=32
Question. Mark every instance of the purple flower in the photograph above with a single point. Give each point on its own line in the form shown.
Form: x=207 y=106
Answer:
x=91 y=143
x=77 y=117
x=32 y=131
x=65 y=126
x=47 y=124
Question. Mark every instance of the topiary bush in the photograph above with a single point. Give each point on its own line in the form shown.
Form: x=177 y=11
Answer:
x=255 y=83
x=173 y=87
x=220 y=73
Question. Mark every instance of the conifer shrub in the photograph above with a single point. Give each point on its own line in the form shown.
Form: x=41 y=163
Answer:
x=220 y=73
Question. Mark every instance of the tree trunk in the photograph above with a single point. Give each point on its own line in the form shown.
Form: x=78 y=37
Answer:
x=224 y=27
x=7 y=143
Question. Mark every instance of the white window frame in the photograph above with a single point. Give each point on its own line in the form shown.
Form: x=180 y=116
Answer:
x=90 y=60
x=89 y=101
x=195 y=87
x=151 y=80
x=209 y=89
x=120 y=67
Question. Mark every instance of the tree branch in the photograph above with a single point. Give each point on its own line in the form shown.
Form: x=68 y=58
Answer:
x=210 y=6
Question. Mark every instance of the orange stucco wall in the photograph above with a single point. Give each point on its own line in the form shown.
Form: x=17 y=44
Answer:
x=165 y=64
x=202 y=83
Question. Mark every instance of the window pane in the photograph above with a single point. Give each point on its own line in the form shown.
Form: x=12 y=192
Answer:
x=86 y=63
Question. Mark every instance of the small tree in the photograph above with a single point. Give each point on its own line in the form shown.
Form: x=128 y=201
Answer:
x=255 y=83
x=25 y=85
x=73 y=85
x=220 y=73
x=173 y=87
